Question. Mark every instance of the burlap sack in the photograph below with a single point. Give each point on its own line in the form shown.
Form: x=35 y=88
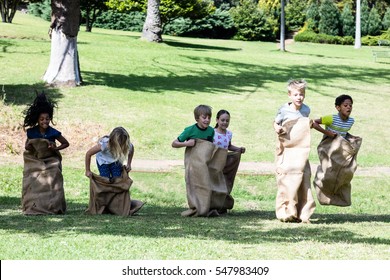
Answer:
x=112 y=197
x=337 y=167
x=230 y=170
x=43 y=190
x=294 y=199
x=205 y=182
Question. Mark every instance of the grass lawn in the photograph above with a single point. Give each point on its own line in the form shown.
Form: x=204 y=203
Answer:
x=151 y=89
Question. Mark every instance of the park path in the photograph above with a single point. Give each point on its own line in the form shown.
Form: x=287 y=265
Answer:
x=255 y=168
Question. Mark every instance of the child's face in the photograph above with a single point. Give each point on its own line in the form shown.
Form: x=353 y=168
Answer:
x=203 y=121
x=345 y=109
x=43 y=121
x=297 y=96
x=223 y=121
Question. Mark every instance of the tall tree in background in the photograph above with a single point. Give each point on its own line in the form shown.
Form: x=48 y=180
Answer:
x=348 y=21
x=8 y=10
x=90 y=10
x=64 y=68
x=364 y=15
x=313 y=16
x=374 y=22
x=330 y=18
x=386 y=19
x=152 y=29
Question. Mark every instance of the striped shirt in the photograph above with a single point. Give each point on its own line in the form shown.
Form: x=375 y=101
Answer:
x=337 y=125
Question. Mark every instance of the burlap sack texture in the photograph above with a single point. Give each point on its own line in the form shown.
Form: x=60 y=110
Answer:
x=209 y=179
x=337 y=167
x=294 y=199
x=112 y=196
x=43 y=190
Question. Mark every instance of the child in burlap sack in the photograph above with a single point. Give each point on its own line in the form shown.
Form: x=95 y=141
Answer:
x=337 y=153
x=294 y=200
x=43 y=191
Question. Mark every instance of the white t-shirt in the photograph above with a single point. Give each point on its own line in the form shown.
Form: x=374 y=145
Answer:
x=104 y=156
x=222 y=140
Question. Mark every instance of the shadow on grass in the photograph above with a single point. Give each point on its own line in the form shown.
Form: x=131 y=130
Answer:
x=197 y=46
x=243 y=227
x=230 y=77
x=24 y=94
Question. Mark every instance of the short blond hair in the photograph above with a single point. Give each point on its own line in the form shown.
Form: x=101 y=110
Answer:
x=300 y=85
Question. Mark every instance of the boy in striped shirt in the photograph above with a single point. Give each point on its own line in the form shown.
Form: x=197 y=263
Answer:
x=337 y=124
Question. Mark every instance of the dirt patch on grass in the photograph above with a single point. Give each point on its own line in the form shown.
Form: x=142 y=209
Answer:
x=81 y=137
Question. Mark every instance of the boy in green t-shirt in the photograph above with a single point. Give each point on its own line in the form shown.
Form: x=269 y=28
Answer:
x=200 y=130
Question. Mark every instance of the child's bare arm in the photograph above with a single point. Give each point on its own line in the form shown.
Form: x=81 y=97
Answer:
x=278 y=128
x=63 y=141
x=177 y=144
x=130 y=158
x=318 y=127
x=94 y=150
x=236 y=149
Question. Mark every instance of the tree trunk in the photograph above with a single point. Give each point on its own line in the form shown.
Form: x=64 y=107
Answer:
x=64 y=68
x=358 y=42
x=282 y=27
x=8 y=10
x=152 y=27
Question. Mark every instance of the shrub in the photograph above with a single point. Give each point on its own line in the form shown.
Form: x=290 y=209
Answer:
x=330 y=18
x=219 y=25
x=42 y=10
x=129 y=21
x=295 y=14
x=251 y=22
x=311 y=36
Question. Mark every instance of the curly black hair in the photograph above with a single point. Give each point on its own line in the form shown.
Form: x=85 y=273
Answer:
x=40 y=105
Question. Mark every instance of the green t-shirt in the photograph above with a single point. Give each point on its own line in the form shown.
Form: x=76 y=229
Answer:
x=195 y=132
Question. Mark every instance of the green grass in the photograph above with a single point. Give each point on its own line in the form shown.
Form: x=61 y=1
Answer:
x=151 y=89
x=250 y=231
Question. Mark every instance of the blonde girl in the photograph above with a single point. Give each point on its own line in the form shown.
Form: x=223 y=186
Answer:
x=111 y=152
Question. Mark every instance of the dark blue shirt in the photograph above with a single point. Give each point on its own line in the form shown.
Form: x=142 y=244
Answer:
x=51 y=134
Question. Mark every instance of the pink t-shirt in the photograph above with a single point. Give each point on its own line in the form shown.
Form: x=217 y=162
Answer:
x=222 y=140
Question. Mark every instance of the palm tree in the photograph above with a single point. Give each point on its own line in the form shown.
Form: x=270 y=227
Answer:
x=358 y=42
x=282 y=27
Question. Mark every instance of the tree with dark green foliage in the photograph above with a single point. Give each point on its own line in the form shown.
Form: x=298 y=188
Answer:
x=169 y=9
x=41 y=9
x=348 y=21
x=386 y=19
x=374 y=22
x=218 y=25
x=251 y=22
x=313 y=16
x=364 y=15
x=90 y=10
x=330 y=18
x=295 y=14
